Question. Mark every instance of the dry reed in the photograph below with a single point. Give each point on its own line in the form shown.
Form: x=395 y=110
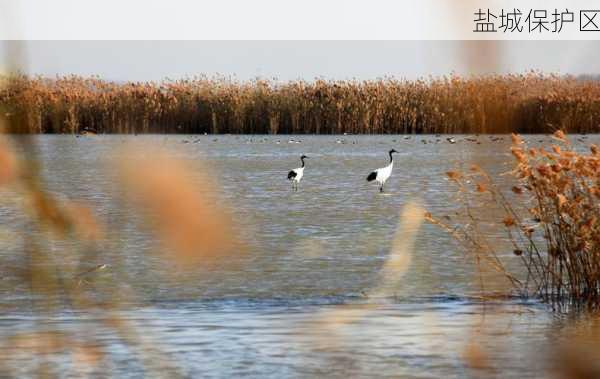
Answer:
x=557 y=236
x=181 y=213
x=529 y=103
x=389 y=282
x=180 y=205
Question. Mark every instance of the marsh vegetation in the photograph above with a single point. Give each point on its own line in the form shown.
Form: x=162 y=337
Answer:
x=171 y=247
x=552 y=219
x=133 y=264
x=529 y=103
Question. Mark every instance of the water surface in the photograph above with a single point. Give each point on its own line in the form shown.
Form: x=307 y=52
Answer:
x=309 y=255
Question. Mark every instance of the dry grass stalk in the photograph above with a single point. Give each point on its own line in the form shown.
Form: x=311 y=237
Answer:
x=576 y=355
x=56 y=279
x=184 y=212
x=51 y=279
x=54 y=282
x=476 y=357
x=396 y=265
x=83 y=221
x=482 y=104
x=400 y=256
x=8 y=164
x=557 y=239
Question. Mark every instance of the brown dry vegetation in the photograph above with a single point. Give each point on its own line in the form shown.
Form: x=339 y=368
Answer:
x=531 y=103
x=179 y=212
x=552 y=220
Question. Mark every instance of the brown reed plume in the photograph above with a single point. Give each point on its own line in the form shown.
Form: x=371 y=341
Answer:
x=86 y=274
x=389 y=282
x=529 y=103
x=179 y=204
x=552 y=220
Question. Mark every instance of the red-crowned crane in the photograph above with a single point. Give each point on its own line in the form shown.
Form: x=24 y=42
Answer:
x=382 y=174
x=296 y=174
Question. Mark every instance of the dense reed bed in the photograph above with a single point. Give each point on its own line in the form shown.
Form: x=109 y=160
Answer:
x=551 y=217
x=530 y=103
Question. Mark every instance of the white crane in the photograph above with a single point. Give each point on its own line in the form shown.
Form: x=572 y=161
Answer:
x=296 y=174
x=382 y=174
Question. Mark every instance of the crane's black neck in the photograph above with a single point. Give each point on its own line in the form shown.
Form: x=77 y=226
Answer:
x=391 y=157
x=302 y=159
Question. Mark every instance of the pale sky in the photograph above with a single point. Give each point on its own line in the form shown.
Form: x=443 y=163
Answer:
x=155 y=60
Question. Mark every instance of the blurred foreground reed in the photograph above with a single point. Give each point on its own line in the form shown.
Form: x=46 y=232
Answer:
x=530 y=103
x=70 y=261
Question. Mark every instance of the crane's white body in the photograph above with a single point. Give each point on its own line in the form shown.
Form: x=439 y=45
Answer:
x=295 y=175
x=384 y=173
x=299 y=174
x=381 y=175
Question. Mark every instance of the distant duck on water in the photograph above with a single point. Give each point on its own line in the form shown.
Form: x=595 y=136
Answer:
x=381 y=175
x=296 y=174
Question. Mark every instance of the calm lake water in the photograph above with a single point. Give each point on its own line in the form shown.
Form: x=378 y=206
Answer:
x=310 y=257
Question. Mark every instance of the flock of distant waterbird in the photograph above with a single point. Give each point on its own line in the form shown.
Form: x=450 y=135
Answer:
x=432 y=139
x=380 y=175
